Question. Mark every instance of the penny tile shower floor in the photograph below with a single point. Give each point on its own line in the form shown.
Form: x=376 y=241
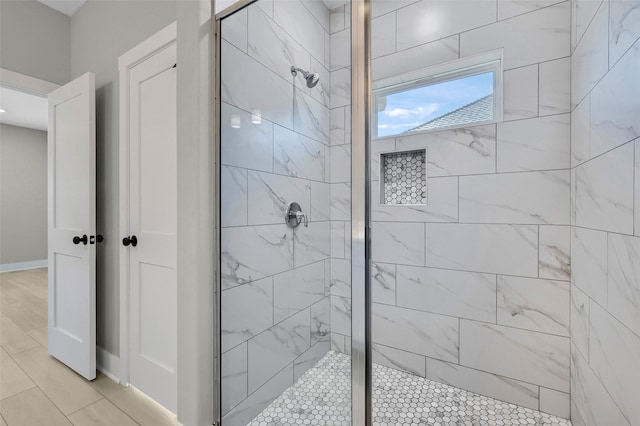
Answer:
x=322 y=397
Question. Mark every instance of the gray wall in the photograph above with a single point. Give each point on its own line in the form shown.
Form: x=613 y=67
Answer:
x=23 y=194
x=101 y=31
x=34 y=40
x=605 y=244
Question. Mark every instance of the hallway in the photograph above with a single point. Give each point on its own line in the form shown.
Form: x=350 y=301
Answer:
x=36 y=389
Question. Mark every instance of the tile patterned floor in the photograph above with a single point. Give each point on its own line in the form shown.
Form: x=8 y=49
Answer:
x=322 y=397
x=36 y=389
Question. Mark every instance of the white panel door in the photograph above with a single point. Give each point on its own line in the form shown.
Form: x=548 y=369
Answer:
x=72 y=224
x=153 y=221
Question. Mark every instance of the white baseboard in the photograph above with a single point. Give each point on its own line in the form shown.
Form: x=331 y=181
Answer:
x=21 y=266
x=108 y=364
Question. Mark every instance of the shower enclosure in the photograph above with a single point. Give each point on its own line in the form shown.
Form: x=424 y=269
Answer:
x=379 y=261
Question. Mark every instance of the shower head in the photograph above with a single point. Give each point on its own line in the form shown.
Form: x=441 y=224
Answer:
x=312 y=77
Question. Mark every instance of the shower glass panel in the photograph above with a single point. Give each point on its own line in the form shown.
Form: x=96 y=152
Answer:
x=470 y=311
x=285 y=213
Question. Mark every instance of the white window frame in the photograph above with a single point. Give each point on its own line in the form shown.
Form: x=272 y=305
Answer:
x=449 y=71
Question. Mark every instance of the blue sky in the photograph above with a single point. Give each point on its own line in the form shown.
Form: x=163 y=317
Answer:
x=408 y=109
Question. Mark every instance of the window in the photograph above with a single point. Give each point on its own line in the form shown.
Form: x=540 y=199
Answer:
x=456 y=94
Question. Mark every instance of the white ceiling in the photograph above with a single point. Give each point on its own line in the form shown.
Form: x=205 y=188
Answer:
x=68 y=7
x=23 y=109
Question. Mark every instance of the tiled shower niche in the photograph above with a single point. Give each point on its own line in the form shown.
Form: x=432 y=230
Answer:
x=404 y=177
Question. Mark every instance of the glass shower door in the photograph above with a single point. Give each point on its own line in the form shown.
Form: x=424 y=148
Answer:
x=285 y=213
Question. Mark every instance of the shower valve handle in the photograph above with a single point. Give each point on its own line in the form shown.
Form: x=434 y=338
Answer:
x=294 y=216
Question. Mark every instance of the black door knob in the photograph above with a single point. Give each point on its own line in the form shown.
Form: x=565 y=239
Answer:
x=78 y=240
x=130 y=240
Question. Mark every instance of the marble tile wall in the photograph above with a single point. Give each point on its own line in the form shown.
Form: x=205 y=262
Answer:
x=275 y=149
x=472 y=289
x=605 y=242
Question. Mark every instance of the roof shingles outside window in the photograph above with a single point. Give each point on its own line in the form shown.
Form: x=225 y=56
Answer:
x=475 y=112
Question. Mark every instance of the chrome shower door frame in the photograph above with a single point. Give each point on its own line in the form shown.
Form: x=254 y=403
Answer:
x=361 y=382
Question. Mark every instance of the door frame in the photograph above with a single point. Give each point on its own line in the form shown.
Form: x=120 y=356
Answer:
x=126 y=62
x=26 y=83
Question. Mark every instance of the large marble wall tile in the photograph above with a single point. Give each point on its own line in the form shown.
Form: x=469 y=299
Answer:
x=235 y=31
x=533 y=304
x=456 y=152
x=398 y=243
x=296 y=289
x=455 y=293
x=336 y=19
x=233 y=193
x=310 y=117
x=249 y=146
x=399 y=360
x=536 y=144
x=247 y=311
x=584 y=10
x=423 y=22
x=347 y=239
x=234 y=377
x=338 y=343
x=311 y=244
x=320 y=11
x=337 y=239
x=341 y=163
x=383 y=283
x=555 y=86
x=301 y=25
x=383 y=35
x=501 y=249
x=624 y=280
x=554 y=257
x=604 y=191
x=340 y=87
x=321 y=320
x=589 y=263
x=442 y=204
x=341 y=277
x=320 y=201
x=532 y=197
x=590 y=59
x=637 y=190
x=269 y=94
x=310 y=358
x=614 y=352
x=516 y=353
x=341 y=201
x=248 y=409
x=492 y=385
x=580 y=321
x=581 y=132
x=340 y=54
x=624 y=27
x=270 y=195
x=336 y=130
x=379 y=146
x=520 y=96
x=422 y=333
x=273 y=47
x=254 y=252
x=556 y=403
x=381 y=7
x=275 y=348
x=591 y=403
x=297 y=155
x=341 y=315
x=425 y=55
x=614 y=105
x=547 y=37
x=510 y=8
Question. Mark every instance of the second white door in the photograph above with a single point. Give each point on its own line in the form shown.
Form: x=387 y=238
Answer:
x=153 y=227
